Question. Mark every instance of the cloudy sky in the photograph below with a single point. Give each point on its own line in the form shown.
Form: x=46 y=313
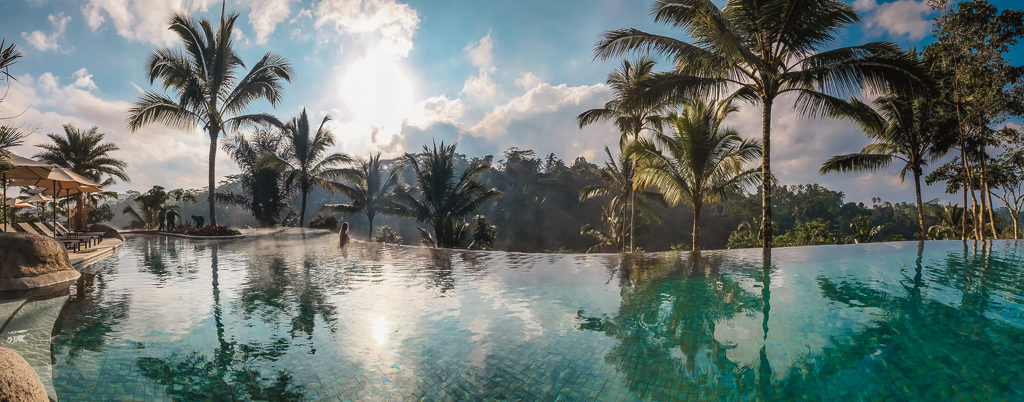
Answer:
x=395 y=75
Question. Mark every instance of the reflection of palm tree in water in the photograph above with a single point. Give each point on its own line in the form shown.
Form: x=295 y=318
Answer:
x=230 y=374
x=927 y=344
x=668 y=303
x=764 y=377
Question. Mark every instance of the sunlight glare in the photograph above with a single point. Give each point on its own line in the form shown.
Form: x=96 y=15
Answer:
x=380 y=330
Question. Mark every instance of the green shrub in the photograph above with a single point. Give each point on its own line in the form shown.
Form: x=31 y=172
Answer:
x=387 y=234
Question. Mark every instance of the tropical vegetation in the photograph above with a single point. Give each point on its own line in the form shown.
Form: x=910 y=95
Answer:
x=699 y=162
x=207 y=87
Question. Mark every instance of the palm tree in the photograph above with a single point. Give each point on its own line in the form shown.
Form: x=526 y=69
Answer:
x=444 y=197
x=10 y=137
x=264 y=194
x=951 y=217
x=617 y=176
x=205 y=81
x=629 y=117
x=863 y=230
x=85 y=153
x=761 y=50
x=9 y=54
x=901 y=129
x=371 y=191
x=700 y=162
x=305 y=162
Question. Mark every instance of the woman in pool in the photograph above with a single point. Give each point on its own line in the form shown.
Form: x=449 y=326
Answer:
x=343 y=238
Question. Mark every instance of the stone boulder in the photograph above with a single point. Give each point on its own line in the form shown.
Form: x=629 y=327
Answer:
x=109 y=232
x=30 y=261
x=18 y=382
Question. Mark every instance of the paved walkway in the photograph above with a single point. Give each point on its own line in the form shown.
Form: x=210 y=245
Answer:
x=94 y=253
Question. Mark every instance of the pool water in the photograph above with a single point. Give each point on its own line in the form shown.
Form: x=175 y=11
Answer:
x=292 y=317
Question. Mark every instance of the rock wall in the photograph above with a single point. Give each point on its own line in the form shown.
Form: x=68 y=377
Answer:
x=31 y=261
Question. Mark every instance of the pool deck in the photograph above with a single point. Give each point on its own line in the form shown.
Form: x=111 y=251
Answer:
x=95 y=253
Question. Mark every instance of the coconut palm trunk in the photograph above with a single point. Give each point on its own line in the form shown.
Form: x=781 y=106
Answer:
x=695 y=237
x=986 y=195
x=920 y=205
x=766 y=174
x=212 y=178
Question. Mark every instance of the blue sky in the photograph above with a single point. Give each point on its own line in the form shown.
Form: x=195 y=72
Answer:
x=395 y=75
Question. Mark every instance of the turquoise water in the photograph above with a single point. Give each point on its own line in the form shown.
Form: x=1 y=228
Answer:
x=287 y=318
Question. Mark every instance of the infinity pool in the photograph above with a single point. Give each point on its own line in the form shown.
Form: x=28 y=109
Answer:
x=288 y=317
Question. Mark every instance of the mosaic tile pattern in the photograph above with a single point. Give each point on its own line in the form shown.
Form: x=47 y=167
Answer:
x=298 y=319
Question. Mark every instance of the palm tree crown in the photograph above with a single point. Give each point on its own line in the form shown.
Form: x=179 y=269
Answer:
x=617 y=185
x=760 y=50
x=628 y=115
x=263 y=192
x=85 y=153
x=371 y=190
x=306 y=162
x=699 y=162
x=902 y=128
x=444 y=196
x=207 y=87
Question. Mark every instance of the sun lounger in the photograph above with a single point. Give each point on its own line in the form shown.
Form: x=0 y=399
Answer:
x=63 y=231
x=45 y=231
x=23 y=227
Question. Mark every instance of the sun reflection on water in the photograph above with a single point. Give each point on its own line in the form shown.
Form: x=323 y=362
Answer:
x=380 y=330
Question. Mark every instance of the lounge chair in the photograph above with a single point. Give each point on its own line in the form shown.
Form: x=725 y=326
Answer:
x=22 y=227
x=45 y=230
x=60 y=230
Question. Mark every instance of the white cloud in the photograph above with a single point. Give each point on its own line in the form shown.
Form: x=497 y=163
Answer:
x=528 y=80
x=46 y=42
x=139 y=20
x=480 y=87
x=543 y=98
x=155 y=154
x=437 y=109
x=481 y=53
x=83 y=79
x=390 y=23
x=265 y=15
x=906 y=18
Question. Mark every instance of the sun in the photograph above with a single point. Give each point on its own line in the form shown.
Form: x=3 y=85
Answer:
x=377 y=93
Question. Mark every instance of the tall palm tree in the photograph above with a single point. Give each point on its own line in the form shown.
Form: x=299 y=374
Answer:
x=629 y=116
x=371 y=190
x=901 y=129
x=85 y=153
x=306 y=162
x=206 y=87
x=760 y=50
x=443 y=197
x=263 y=192
x=617 y=176
x=699 y=162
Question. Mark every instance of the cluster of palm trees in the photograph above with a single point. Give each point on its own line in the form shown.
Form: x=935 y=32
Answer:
x=209 y=88
x=758 y=52
x=81 y=151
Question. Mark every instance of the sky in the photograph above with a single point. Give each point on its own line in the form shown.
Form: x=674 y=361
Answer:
x=396 y=75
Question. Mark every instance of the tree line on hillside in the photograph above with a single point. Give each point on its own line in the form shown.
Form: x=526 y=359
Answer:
x=540 y=211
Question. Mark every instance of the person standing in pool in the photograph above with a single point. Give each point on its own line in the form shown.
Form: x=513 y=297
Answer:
x=161 y=217
x=343 y=238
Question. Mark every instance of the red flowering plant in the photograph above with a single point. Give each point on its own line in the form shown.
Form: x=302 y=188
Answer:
x=210 y=230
